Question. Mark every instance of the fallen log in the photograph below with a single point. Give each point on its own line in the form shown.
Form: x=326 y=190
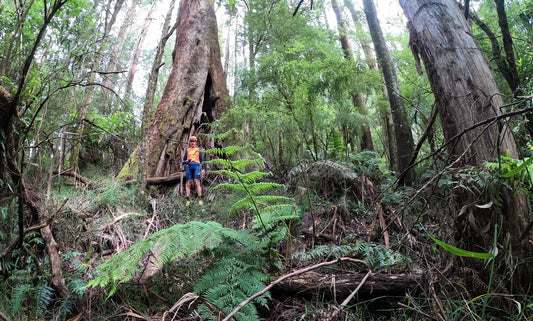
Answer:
x=343 y=283
x=166 y=180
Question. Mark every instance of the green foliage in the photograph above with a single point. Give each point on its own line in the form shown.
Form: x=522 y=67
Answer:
x=518 y=169
x=232 y=280
x=377 y=256
x=460 y=252
x=371 y=165
x=178 y=241
x=336 y=148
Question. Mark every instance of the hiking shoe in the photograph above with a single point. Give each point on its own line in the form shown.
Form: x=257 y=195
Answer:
x=200 y=202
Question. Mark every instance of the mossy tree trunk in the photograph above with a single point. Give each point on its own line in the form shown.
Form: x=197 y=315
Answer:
x=196 y=92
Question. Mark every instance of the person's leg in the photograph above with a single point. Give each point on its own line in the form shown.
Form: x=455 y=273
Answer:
x=198 y=187
x=188 y=189
x=188 y=177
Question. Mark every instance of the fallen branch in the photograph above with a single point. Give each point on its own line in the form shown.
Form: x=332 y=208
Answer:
x=281 y=279
x=73 y=174
x=167 y=180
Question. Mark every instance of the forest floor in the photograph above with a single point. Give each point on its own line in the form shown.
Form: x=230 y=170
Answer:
x=361 y=249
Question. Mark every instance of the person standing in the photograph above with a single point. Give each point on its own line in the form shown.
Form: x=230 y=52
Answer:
x=194 y=169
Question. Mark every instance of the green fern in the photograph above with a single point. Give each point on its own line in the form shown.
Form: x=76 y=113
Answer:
x=21 y=293
x=336 y=148
x=43 y=296
x=377 y=256
x=229 y=282
x=179 y=241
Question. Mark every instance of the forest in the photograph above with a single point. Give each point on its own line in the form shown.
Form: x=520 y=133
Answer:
x=363 y=160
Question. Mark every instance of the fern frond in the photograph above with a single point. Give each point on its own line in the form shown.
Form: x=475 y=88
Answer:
x=229 y=282
x=376 y=255
x=219 y=136
x=225 y=151
x=43 y=296
x=260 y=200
x=336 y=146
x=20 y=294
x=271 y=215
x=253 y=176
x=178 y=241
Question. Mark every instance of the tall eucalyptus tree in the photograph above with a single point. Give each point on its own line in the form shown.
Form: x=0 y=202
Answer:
x=195 y=93
x=469 y=105
x=404 y=147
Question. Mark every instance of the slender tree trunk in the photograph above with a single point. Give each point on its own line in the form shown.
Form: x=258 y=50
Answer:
x=357 y=97
x=6 y=59
x=82 y=112
x=507 y=39
x=402 y=130
x=137 y=53
x=196 y=91
x=119 y=45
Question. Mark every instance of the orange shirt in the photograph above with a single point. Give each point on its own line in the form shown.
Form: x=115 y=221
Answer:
x=193 y=154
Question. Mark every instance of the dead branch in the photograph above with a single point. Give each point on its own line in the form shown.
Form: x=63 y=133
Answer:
x=166 y=180
x=71 y=173
x=3 y=317
x=313 y=283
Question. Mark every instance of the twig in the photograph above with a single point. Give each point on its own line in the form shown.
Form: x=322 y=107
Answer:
x=3 y=317
x=350 y=297
x=298 y=272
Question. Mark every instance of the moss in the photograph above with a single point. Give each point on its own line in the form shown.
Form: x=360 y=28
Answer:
x=130 y=168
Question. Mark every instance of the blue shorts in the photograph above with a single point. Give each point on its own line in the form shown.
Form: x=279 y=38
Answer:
x=192 y=170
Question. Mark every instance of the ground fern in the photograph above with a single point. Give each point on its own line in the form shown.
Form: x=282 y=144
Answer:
x=179 y=241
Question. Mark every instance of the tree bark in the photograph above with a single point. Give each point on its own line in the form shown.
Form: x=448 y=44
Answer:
x=402 y=130
x=137 y=53
x=466 y=94
x=465 y=91
x=166 y=32
x=316 y=283
x=195 y=93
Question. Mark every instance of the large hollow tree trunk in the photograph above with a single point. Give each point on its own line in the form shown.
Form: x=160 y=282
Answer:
x=195 y=93
x=466 y=94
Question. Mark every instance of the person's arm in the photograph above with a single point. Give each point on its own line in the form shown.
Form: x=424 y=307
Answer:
x=185 y=156
x=201 y=161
